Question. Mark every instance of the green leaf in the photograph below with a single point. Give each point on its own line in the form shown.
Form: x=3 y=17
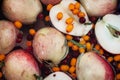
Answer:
x=2 y=64
x=78 y=44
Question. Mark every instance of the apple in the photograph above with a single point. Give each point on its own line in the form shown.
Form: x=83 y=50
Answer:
x=91 y=66
x=58 y=76
x=53 y=2
x=107 y=33
x=20 y=65
x=50 y=45
x=25 y=11
x=79 y=29
x=8 y=35
x=99 y=7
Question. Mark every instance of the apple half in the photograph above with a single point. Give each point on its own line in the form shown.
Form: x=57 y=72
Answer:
x=79 y=29
x=91 y=66
x=107 y=31
x=58 y=76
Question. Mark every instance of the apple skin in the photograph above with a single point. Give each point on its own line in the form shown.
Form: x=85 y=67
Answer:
x=20 y=65
x=91 y=66
x=25 y=11
x=99 y=7
x=53 y=2
x=49 y=44
x=8 y=35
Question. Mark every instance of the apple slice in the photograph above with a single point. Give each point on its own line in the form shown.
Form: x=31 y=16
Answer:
x=90 y=66
x=58 y=76
x=79 y=29
x=50 y=44
x=107 y=33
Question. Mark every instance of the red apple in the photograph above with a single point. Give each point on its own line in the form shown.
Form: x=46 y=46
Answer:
x=91 y=66
x=20 y=65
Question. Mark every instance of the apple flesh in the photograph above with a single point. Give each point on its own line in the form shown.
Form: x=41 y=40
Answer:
x=53 y=2
x=50 y=44
x=8 y=35
x=25 y=11
x=99 y=7
x=106 y=31
x=91 y=66
x=79 y=29
x=20 y=65
x=58 y=76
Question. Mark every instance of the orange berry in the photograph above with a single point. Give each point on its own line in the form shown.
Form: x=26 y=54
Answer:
x=86 y=37
x=73 y=61
x=29 y=43
x=117 y=58
x=75 y=47
x=71 y=6
x=2 y=57
x=69 y=20
x=82 y=41
x=69 y=43
x=118 y=76
x=81 y=14
x=110 y=59
x=101 y=51
x=1 y=74
x=77 y=5
x=69 y=37
x=64 y=67
x=88 y=46
x=97 y=47
x=32 y=31
x=118 y=66
x=75 y=11
x=56 y=69
x=18 y=24
x=81 y=50
x=73 y=75
x=49 y=6
x=47 y=18
x=59 y=15
x=72 y=69
x=69 y=28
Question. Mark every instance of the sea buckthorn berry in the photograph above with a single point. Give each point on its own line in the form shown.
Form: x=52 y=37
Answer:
x=18 y=24
x=64 y=68
x=118 y=65
x=73 y=61
x=59 y=15
x=1 y=74
x=71 y=6
x=110 y=59
x=75 y=47
x=49 y=6
x=69 y=28
x=29 y=43
x=69 y=20
x=69 y=37
x=2 y=57
x=81 y=14
x=81 y=50
x=77 y=5
x=117 y=58
x=32 y=31
x=72 y=69
x=75 y=11
x=97 y=46
x=82 y=20
x=101 y=51
x=56 y=69
x=47 y=18
x=118 y=76
x=88 y=46
x=82 y=41
x=86 y=37
x=69 y=43
x=73 y=75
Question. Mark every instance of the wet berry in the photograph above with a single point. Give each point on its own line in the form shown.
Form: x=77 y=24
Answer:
x=82 y=20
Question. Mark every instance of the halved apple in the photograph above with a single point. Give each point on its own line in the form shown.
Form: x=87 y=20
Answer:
x=91 y=66
x=58 y=76
x=107 y=32
x=79 y=29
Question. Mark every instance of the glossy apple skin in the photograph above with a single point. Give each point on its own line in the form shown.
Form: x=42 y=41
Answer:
x=91 y=66
x=53 y=2
x=20 y=65
x=25 y=11
x=8 y=35
x=49 y=44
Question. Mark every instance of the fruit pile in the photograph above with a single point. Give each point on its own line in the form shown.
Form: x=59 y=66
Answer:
x=59 y=39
